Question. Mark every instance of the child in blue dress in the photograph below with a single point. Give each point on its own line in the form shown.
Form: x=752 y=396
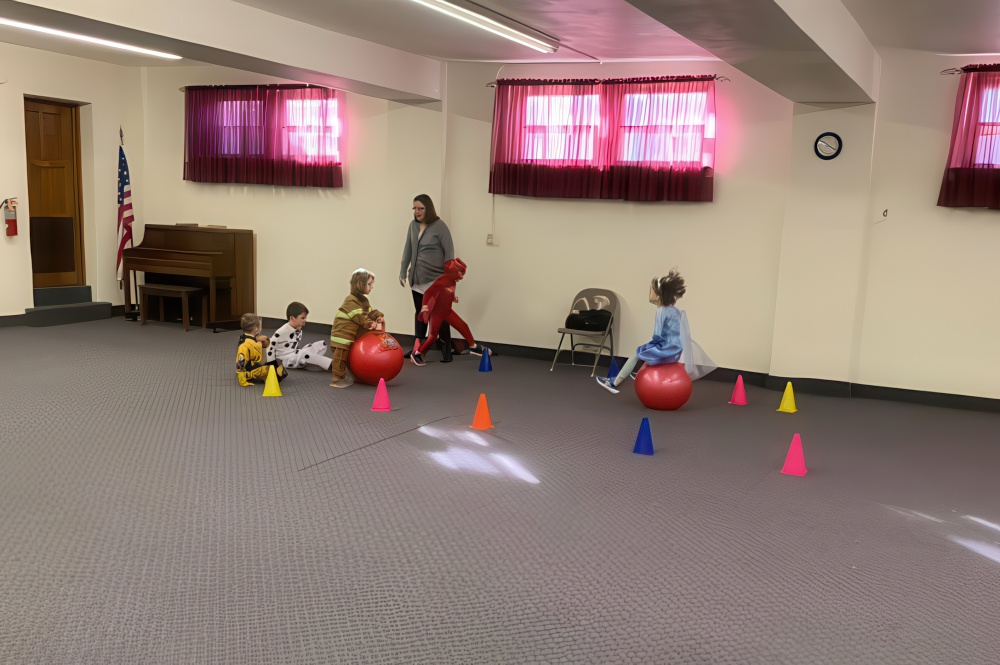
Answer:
x=671 y=341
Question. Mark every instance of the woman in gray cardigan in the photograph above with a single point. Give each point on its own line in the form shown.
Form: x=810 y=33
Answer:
x=428 y=246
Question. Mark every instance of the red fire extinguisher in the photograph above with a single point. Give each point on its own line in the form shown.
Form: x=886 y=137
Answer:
x=9 y=207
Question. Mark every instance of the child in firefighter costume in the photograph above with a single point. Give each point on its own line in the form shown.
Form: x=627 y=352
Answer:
x=437 y=309
x=250 y=364
x=285 y=342
x=354 y=316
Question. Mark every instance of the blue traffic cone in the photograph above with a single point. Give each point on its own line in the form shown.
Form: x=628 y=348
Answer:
x=614 y=369
x=484 y=364
x=644 y=442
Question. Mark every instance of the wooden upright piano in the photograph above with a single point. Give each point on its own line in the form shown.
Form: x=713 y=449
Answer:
x=219 y=260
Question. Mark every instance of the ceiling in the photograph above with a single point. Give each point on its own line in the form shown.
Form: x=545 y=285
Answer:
x=614 y=30
x=937 y=26
x=83 y=49
x=755 y=36
x=588 y=30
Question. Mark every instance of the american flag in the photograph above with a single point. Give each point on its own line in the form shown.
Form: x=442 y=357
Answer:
x=125 y=217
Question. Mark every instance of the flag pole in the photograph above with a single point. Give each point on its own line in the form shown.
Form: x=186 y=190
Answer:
x=134 y=314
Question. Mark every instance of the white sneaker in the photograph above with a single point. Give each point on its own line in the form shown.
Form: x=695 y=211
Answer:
x=607 y=384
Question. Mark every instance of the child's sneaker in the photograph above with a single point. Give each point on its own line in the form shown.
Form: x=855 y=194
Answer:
x=417 y=359
x=479 y=350
x=607 y=384
x=343 y=383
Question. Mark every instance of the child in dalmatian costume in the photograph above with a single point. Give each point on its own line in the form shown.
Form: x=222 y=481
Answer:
x=285 y=342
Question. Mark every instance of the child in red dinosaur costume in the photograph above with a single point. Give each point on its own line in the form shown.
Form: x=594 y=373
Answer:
x=436 y=309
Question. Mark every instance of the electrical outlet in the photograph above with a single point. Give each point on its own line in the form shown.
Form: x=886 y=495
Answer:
x=489 y=238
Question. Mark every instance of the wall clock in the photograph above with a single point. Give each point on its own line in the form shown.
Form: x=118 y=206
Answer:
x=828 y=145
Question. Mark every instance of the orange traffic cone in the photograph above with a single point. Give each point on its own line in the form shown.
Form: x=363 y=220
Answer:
x=381 y=402
x=482 y=418
x=795 y=463
x=739 y=397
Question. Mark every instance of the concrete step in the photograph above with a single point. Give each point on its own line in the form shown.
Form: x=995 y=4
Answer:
x=62 y=295
x=57 y=315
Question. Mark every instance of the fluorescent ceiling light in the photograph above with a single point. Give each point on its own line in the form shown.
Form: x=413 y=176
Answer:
x=480 y=20
x=90 y=40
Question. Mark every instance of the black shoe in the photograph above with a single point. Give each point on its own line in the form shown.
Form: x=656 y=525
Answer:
x=417 y=359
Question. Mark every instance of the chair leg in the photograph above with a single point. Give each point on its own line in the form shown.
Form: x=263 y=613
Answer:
x=572 y=350
x=143 y=307
x=558 y=348
x=597 y=355
x=185 y=312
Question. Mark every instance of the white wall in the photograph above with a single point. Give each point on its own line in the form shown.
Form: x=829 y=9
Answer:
x=519 y=292
x=309 y=240
x=817 y=322
x=112 y=94
x=931 y=312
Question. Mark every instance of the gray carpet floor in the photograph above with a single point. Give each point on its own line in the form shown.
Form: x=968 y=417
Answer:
x=152 y=511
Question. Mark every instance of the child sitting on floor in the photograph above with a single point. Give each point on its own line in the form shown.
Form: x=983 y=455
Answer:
x=285 y=342
x=250 y=365
x=353 y=317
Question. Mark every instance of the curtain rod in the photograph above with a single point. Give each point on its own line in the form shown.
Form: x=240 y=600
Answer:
x=717 y=77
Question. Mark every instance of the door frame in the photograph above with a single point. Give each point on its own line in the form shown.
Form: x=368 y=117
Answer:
x=79 y=276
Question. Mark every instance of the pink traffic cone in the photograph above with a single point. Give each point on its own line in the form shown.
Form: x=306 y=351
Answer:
x=795 y=463
x=739 y=397
x=381 y=402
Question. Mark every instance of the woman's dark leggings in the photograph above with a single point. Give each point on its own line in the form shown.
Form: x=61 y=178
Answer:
x=420 y=328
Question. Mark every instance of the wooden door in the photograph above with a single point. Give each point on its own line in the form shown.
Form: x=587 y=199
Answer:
x=52 y=136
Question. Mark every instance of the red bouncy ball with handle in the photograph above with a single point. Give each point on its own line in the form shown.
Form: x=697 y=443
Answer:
x=663 y=387
x=374 y=356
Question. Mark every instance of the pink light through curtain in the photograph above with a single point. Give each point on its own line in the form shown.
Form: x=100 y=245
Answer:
x=632 y=139
x=264 y=135
x=972 y=177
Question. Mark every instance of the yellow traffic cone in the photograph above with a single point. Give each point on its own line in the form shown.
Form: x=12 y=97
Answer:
x=271 y=388
x=788 y=400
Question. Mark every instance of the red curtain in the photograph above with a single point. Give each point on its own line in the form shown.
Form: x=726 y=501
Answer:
x=972 y=177
x=632 y=139
x=263 y=135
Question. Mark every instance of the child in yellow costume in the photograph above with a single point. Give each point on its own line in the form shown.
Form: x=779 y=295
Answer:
x=354 y=316
x=250 y=365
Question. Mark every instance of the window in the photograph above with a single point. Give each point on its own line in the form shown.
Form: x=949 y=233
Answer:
x=988 y=131
x=242 y=128
x=972 y=174
x=637 y=139
x=561 y=127
x=267 y=135
x=666 y=128
x=313 y=130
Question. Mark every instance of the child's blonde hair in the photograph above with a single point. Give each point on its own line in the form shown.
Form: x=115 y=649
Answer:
x=359 y=280
x=250 y=323
x=669 y=289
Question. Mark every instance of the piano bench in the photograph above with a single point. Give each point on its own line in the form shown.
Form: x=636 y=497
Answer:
x=172 y=291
